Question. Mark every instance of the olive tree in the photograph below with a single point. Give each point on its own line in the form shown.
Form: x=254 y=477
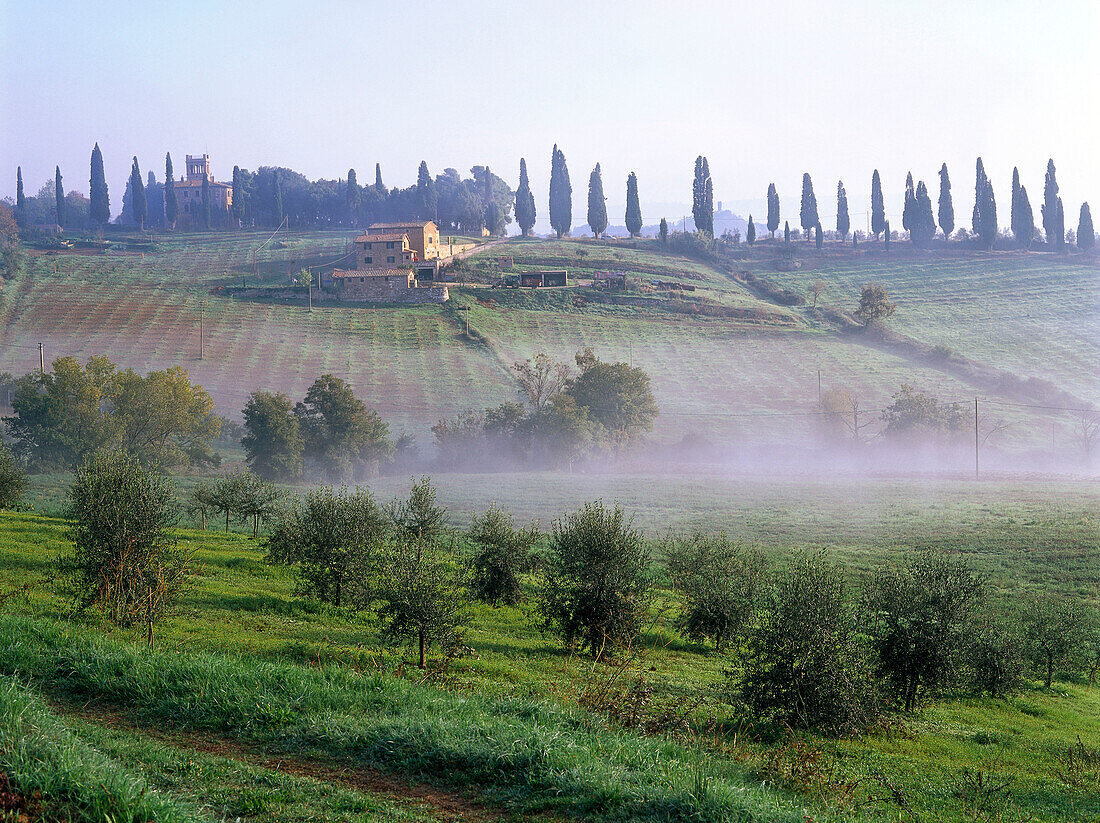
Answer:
x=1054 y=629
x=596 y=586
x=874 y=304
x=995 y=662
x=124 y=557
x=13 y=480
x=804 y=663
x=502 y=553
x=331 y=536
x=721 y=583
x=918 y=615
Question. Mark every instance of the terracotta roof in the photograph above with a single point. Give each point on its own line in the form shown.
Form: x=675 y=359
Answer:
x=408 y=225
x=345 y=273
x=198 y=184
x=379 y=238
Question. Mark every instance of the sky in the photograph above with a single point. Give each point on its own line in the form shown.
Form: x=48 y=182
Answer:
x=766 y=91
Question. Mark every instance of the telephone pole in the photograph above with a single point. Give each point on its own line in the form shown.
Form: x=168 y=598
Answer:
x=202 y=329
x=41 y=359
x=975 y=438
x=819 y=387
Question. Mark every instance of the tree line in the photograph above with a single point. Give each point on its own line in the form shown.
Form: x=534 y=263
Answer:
x=806 y=646
x=270 y=194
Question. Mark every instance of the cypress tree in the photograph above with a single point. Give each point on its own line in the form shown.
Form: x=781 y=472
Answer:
x=946 y=207
x=597 y=203
x=773 y=210
x=708 y=199
x=1027 y=221
x=702 y=197
x=808 y=212
x=910 y=206
x=238 y=195
x=1014 y=208
x=1050 y=207
x=525 y=201
x=99 y=206
x=987 y=216
x=787 y=232
x=662 y=232
x=886 y=235
x=979 y=195
x=206 y=202
x=750 y=232
x=138 y=204
x=59 y=197
x=352 y=196
x=843 y=224
x=20 y=198
x=277 y=198
x=378 y=185
x=1061 y=226
x=878 y=207
x=1086 y=234
x=819 y=237
x=561 y=194
x=633 y=206
x=171 y=205
x=923 y=223
x=427 y=200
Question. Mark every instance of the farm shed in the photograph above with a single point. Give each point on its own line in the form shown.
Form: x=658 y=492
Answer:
x=539 y=279
x=611 y=280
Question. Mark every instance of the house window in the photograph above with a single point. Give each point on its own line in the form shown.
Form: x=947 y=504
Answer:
x=390 y=259
x=389 y=245
x=368 y=259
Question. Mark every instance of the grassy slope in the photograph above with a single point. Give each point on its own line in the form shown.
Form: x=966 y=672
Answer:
x=1017 y=536
x=1021 y=314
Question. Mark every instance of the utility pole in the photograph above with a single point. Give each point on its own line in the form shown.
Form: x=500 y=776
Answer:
x=41 y=359
x=819 y=387
x=855 y=422
x=309 y=286
x=975 y=438
x=202 y=329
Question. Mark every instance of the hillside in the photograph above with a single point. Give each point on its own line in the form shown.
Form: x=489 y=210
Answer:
x=726 y=361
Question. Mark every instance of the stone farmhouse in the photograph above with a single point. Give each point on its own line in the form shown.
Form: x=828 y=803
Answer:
x=382 y=285
x=393 y=263
x=189 y=194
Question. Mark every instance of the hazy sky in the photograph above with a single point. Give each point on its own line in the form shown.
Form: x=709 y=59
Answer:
x=766 y=90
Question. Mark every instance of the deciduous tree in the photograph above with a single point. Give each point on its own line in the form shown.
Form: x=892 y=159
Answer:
x=341 y=436
x=273 y=439
x=13 y=479
x=874 y=303
x=617 y=397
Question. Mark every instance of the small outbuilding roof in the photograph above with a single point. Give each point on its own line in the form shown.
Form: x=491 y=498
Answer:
x=381 y=238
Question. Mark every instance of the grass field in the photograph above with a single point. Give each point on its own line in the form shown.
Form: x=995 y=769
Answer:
x=241 y=615
x=722 y=360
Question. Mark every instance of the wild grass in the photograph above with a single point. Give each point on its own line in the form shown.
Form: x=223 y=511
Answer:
x=61 y=777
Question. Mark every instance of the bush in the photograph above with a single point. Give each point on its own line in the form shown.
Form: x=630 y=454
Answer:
x=721 y=583
x=996 y=665
x=13 y=480
x=804 y=664
x=124 y=556
x=331 y=536
x=919 y=614
x=502 y=554
x=596 y=586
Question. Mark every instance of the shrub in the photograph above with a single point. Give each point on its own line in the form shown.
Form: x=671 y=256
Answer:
x=331 y=536
x=874 y=303
x=13 y=480
x=502 y=553
x=124 y=557
x=1054 y=629
x=804 y=664
x=996 y=665
x=596 y=585
x=721 y=583
x=919 y=613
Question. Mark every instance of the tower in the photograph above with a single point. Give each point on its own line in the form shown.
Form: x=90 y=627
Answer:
x=198 y=168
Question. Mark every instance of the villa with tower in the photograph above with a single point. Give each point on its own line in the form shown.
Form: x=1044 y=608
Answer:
x=189 y=195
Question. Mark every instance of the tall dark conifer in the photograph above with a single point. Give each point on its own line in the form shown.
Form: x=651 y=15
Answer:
x=987 y=215
x=787 y=232
x=238 y=196
x=561 y=194
x=773 y=210
x=843 y=223
x=378 y=185
x=277 y=199
x=171 y=205
x=633 y=206
x=750 y=232
x=1049 y=208
x=99 y=201
x=979 y=195
x=206 y=216
x=525 y=201
x=20 y=198
x=1027 y=220
x=597 y=203
x=878 y=206
x=139 y=206
x=702 y=197
x=352 y=197
x=1086 y=233
x=59 y=197
x=946 y=211
x=923 y=227
x=427 y=199
x=910 y=206
x=808 y=212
